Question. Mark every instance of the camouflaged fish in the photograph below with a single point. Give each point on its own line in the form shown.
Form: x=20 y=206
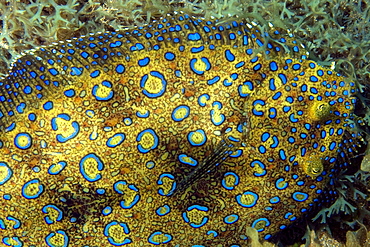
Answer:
x=181 y=133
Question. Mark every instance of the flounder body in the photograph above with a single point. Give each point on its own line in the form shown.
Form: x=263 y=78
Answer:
x=181 y=133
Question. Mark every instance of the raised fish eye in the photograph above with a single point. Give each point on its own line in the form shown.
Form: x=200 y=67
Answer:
x=320 y=111
x=313 y=167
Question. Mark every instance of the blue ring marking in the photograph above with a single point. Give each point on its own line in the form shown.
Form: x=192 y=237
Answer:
x=125 y=230
x=281 y=184
x=214 y=117
x=105 y=85
x=107 y=210
x=198 y=208
x=232 y=218
x=9 y=241
x=75 y=126
x=288 y=216
x=250 y=86
x=274 y=200
x=258 y=102
x=115 y=140
x=90 y=113
x=17 y=223
x=143 y=62
x=226 y=184
x=163 y=210
x=214 y=234
x=23 y=141
x=147 y=134
x=47 y=209
x=202 y=99
x=169 y=56
x=127 y=121
x=99 y=166
x=120 y=68
x=275 y=143
x=159 y=92
x=300 y=196
x=162 y=238
x=250 y=203
x=200 y=136
x=200 y=72
x=150 y=164
x=272 y=112
x=55 y=169
x=260 y=165
x=51 y=235
x=267 y=223
x=36 y=185
x=236 y=153
x=160 y=182
x=229 y=55
x=69 y=93
x=118 y=188
x=185 y=159
x=6 y=173
x=184 y=112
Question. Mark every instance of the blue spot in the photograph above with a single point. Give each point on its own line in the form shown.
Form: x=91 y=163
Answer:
x=48 y=105
x=229 y=55
x=120 y=68
x=69 y=93
x=169 y=56
x=283 y=78
x=313 y=78
x=300 y=196
x=144 y=62
x=213 y=80
x=194 y=36
x=95 y=73
x=273 y=66
x=53 y=72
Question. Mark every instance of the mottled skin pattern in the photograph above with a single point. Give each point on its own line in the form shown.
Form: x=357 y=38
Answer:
x=97 y=133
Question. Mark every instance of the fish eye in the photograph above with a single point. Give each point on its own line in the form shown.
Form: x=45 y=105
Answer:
x=313 y=167
x=320 y=111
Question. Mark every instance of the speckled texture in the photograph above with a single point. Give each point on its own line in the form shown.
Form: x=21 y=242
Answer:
x=98 y=133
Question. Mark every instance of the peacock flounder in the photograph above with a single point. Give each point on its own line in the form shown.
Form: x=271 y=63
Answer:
x=184 y=132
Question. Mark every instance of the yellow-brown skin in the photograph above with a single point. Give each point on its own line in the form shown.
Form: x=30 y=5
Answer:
x=125 y=162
